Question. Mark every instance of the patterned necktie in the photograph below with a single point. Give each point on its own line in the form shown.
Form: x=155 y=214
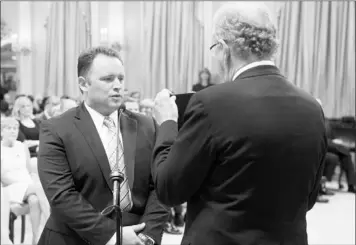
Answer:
x=115 y=154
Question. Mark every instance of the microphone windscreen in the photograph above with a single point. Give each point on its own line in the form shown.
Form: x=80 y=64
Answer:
x=122 y=107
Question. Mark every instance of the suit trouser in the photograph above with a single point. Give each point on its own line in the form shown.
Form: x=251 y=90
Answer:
x=345 y=161
x=331 y=161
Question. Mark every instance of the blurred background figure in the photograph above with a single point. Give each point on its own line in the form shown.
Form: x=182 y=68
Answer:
x=29 y=126
x=5 y=210
x=16 y=177
x=135 y=96
x=65 y=104
x=132 y=106
x=146 y=106
x=47 y=106
x=37 y=102
x=204 y=80
x=4 y=108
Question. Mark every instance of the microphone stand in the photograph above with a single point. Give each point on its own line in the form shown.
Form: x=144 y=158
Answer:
x=116 y=178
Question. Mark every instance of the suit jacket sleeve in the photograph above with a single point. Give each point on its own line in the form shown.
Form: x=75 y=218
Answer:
x=316 y=188
x=66 y=202
x=181 y=161
x=156 y=214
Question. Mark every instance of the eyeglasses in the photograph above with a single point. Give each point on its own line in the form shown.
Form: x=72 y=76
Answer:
x=220 y=41
x=212 y=46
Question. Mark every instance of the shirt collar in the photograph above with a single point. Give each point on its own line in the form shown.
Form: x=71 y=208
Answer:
x=252 y=65
x=98 y=118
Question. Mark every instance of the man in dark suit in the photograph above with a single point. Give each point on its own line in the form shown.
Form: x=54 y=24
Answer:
x=80 y=148
x=250 y=155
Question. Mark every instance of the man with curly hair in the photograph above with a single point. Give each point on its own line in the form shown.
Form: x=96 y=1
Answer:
x=250 y=155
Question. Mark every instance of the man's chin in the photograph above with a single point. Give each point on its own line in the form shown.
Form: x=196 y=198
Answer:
x=115 y=104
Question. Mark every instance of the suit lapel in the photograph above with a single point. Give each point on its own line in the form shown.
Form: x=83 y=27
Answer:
x=128 y=128
x=86 y=126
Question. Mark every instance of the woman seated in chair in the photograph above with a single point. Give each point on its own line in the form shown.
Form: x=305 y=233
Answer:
x=15 y=175
x=5 y=210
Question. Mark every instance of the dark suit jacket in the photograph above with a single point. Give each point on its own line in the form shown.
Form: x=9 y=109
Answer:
x=74 y=171
x=248 y=160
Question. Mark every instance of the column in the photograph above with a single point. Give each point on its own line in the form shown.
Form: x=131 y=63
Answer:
x=95 y=34
x=208 y=26
x=40 y=14
x=24 y=47
x=116 y=23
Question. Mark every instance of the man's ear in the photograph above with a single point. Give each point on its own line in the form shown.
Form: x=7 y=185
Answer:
x=83 y=84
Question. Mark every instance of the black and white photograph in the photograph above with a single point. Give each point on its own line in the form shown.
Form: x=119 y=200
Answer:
x=178 y=122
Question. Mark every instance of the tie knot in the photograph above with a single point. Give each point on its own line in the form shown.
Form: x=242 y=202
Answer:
x=109 y=123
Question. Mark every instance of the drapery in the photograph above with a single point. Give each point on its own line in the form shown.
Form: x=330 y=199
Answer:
x=173 y=50
x=317 y=51
x=68 y=34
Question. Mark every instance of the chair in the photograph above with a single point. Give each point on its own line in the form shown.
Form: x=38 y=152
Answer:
x=15 y=211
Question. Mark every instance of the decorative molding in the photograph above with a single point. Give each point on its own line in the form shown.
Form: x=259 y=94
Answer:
x=5 y=30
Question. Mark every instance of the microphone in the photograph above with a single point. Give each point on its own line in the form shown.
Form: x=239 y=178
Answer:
x=116 y=178
x=122 y=108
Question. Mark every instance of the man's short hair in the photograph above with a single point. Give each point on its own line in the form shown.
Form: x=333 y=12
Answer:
x=86 y=58
x=248 y=27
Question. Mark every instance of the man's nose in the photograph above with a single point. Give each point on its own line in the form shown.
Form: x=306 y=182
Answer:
x=117 y=84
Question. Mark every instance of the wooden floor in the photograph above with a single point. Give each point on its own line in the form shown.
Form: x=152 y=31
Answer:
x=332 y=223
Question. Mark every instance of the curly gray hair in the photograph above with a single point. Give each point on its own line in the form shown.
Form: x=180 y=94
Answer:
x=248 y=28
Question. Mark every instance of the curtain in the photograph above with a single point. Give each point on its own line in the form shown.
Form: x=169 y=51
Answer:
x=317 y=51
x=173 y=50
x=68 y=34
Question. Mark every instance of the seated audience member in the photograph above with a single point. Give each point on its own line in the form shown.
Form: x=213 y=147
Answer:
x=343 y=153
x=15 y=173
x=20 y=95
x=29 y=127
x=331 y=161
x=4 y=107
x=126 y=94
x=146 y=106
x=135 y=96
x=5 y=210
x=204 y=80
x=37 y=104
x=9 y=101
x=47 y=107
x=3 y=91
x=132 y=106
x=65 y=105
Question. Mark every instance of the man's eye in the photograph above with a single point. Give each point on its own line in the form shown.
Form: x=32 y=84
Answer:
x=109 y=78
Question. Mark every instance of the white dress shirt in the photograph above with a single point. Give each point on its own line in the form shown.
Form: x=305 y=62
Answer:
x=252 y=65
x=98 y=120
